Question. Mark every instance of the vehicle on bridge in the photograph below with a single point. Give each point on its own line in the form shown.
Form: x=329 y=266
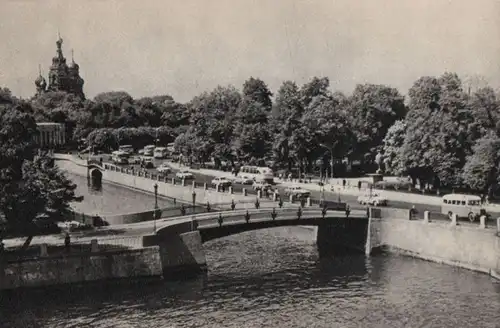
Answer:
x=160 y=152
x=119 y=157
x=257 y=173
x=463 y=205
x=297 y=192
x=164 y=169
x=149 y=150
x=373 y=199
x=186 y=175
x=126 y=149
x=222 y=181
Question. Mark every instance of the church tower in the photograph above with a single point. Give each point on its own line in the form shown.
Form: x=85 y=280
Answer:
x=61 y=76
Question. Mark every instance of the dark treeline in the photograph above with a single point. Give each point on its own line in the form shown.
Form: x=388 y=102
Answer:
x=441 y=134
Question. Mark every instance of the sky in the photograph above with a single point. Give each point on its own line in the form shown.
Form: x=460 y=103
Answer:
x=182 y=48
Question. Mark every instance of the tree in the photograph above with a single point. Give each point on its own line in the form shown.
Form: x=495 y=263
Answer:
x=481 y=171
x=285 y=122
x=212 y=123
x=252 y=137
x=437 y=139
x=327 y=129
x=392 y=143
x=255 y=90
x=32 y=190
x=372 y=110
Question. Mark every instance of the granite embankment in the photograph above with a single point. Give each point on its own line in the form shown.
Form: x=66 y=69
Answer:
x=80 y=268
x=474 y=247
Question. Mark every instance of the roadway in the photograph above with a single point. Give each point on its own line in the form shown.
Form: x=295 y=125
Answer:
x=315 y=194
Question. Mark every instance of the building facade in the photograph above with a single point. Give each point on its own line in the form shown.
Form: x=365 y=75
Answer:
x=62 y=77
x=51 y=135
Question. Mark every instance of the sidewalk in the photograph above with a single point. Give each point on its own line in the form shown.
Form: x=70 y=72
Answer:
x=350 y=189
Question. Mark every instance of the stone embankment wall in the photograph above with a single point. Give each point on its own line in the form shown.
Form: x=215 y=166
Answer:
x=79 y=268
x=467 y=246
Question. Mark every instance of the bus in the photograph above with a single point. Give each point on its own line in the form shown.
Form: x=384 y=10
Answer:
x=149 y=150
x=119 y=157
x=463 y=205
x=257 y=173
x=160 y=152
x=126 y=149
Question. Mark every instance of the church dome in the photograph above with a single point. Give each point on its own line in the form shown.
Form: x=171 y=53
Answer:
x=74 y=66
x=40 y=81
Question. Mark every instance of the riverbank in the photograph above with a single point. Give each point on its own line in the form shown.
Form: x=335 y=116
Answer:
x=473 y=248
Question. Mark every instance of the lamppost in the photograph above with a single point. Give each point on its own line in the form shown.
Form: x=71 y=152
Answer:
x=156 y=206
x=330 y=150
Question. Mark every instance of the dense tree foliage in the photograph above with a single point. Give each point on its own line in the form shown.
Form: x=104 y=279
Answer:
x=32 y=190
x=442 y=134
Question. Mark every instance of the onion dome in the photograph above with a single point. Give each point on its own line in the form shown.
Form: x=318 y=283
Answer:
x=73 y=66
x=40 y=82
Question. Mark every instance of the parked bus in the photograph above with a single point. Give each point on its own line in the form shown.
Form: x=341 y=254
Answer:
x=126 y=149
x=257 y=173
x=160 y=152
x=468 y=206
x=149 y=150
x=119 y=157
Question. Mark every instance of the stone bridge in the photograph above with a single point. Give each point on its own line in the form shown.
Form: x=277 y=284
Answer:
x=181 y=239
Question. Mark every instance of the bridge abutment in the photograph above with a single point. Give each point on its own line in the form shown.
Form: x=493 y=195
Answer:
x=340 y=236
x=182 y=255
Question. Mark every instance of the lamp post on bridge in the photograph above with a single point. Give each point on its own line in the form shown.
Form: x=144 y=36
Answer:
x=155 y=215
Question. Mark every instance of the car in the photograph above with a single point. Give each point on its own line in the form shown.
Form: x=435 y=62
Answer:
x=147 y=162
x=186 y=175
x=134 y=160
x=243 y=180
x=372 y=199
x=164 y=168
x=297 y=192
x=221 y=181
x=261 y=186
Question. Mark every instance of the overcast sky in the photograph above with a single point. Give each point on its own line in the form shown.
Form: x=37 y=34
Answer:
x=183 y=47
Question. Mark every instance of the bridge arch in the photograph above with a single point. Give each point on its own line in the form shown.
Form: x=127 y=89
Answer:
x=215 y=232
x=95 y=174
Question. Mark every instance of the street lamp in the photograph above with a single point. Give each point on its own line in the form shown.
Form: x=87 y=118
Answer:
x=330 y=149
x=156 y=206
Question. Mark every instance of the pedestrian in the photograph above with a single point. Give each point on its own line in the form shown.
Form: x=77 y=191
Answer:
x=67 y=242
x=343 y=183
x=359 y=184
x=347 y=210
x=2 y=247
x=487 y=199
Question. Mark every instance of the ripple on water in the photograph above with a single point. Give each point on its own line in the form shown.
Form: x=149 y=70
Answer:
x=274 y=278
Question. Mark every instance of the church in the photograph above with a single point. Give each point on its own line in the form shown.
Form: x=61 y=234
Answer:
x=62 y=77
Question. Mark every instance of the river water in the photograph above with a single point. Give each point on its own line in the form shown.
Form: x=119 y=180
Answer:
x=109 y=199
x=274 y=278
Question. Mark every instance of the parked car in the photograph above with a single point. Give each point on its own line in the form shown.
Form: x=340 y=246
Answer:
x=221 y=181
x=186 y=175
x=147 y=163
x=164 y=168
x=373 y=199
x=243 y=180
x=297 y=192
x=134 y=160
